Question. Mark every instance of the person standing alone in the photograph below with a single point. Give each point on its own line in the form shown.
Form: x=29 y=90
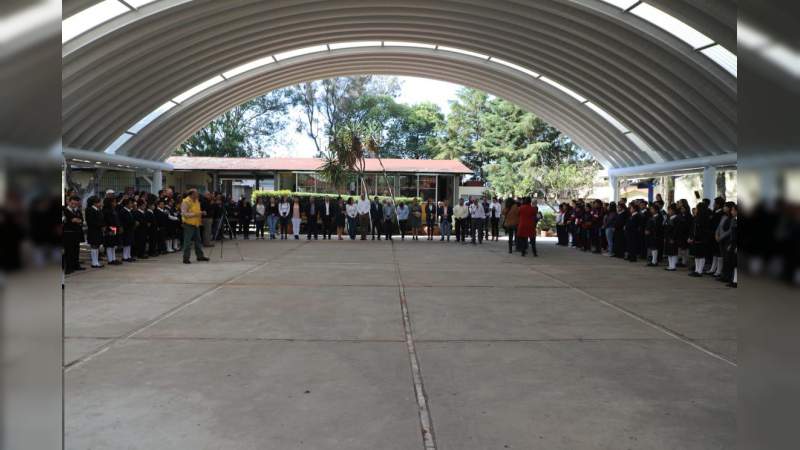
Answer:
x=192 y=216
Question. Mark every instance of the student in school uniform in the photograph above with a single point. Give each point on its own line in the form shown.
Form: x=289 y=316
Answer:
x=495 y=209
x=95 y=232
x=73 y=234
x=714 y=251
x=128 y=229
x=175 y=230
x=153 y=248
x=632 y=233
x=682 y=231
x=654 y=236
x=699 y=236
x=620 y=220
x=161 y=214
x=141 y=230
x=671 y=238
x=113 y=230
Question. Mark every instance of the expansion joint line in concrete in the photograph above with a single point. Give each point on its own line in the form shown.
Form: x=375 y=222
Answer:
x=426 y=422
x=638 y=317
x=171 y=312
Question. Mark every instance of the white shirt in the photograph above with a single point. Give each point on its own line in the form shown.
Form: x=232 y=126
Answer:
x=261 y=209
x=352 y=210
x=283 y=209
x=363 y=206
x=476 y=211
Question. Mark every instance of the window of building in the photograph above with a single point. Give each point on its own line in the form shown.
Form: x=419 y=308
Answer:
x=427 y=187
x=306 y=182
x=408 y=185
x=383 y=187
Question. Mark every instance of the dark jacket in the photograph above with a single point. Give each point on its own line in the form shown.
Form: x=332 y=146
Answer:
x=75 y=230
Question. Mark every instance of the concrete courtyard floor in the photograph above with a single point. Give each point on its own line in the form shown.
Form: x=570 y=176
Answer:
x=303 y=345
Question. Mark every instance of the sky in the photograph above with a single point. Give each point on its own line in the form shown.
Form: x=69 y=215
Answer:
x=414 y=90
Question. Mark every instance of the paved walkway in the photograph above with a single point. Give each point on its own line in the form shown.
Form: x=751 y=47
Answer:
x=306 y=346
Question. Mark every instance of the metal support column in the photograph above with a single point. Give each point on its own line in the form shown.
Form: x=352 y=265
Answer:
x=709 y=182
x=156 y=186
x=614 y=182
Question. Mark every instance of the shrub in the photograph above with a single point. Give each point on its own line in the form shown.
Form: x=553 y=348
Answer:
x=304 y=195
x=548 y=222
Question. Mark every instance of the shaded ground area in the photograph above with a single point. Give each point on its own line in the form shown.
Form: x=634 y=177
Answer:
x=302 y=346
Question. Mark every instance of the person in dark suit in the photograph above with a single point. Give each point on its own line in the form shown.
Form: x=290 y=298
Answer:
x=671 y=237
x=327 y=212
x=654 y=235
x=141 y=229
x=128 y=228
x=698 y=239
x=95 y=229
x=112 y=230
x=73 y=235
x=312 y=219
x=376 y=215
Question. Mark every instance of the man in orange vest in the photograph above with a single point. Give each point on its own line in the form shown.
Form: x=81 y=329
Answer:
x=192 y=217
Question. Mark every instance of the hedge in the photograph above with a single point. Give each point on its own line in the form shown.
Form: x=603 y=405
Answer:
x=303 y=195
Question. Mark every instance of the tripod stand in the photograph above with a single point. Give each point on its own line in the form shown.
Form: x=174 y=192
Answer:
x=220 y=236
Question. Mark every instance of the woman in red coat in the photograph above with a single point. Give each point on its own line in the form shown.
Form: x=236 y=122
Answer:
x=526 y=229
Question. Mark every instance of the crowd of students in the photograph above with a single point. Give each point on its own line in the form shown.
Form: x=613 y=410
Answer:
x=144 y=225
x=648 y=230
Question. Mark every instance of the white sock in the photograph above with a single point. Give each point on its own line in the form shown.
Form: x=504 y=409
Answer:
x=735 y=275
x=673 y=261
x=714 y=264
x=699 y=263
x=95 y=253
x=169 y=245
x=110 y=254
x=654 y=256
x=126 y=252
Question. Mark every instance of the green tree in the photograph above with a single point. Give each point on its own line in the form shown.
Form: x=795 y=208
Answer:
x=243 y=131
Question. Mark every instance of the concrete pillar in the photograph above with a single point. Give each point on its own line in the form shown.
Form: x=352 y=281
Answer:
x=156 y=186
x=709 y=183
x=614 y=182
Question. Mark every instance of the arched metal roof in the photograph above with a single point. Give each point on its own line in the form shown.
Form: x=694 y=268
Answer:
x=676 y=101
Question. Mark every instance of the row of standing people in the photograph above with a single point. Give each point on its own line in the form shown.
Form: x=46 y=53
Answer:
x=648 y=230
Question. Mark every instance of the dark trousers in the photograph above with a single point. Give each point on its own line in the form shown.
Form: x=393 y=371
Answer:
x=563 y=237
x=259 y=228
x=72 y=247
x=284 y=226
x=312 y=227
x=377 y=227
x=430 y=225
x=244 y=225
x=153 y=243
x=460 y=235
x=403 y=225
x=387 y=228
x=327 y=229
x=364 y=224
x=511 y=232
x=495 y=228
x=140 y=243
x=477 y=227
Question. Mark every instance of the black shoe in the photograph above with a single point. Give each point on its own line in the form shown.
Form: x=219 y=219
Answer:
x=99 y=266
x=651 y=265
x=680 y=265
x=115 y=263
x=79 y=268
x=732 y=285
x=695 y=275
x=186 y=261
x=202 y=258
x=669 y=270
